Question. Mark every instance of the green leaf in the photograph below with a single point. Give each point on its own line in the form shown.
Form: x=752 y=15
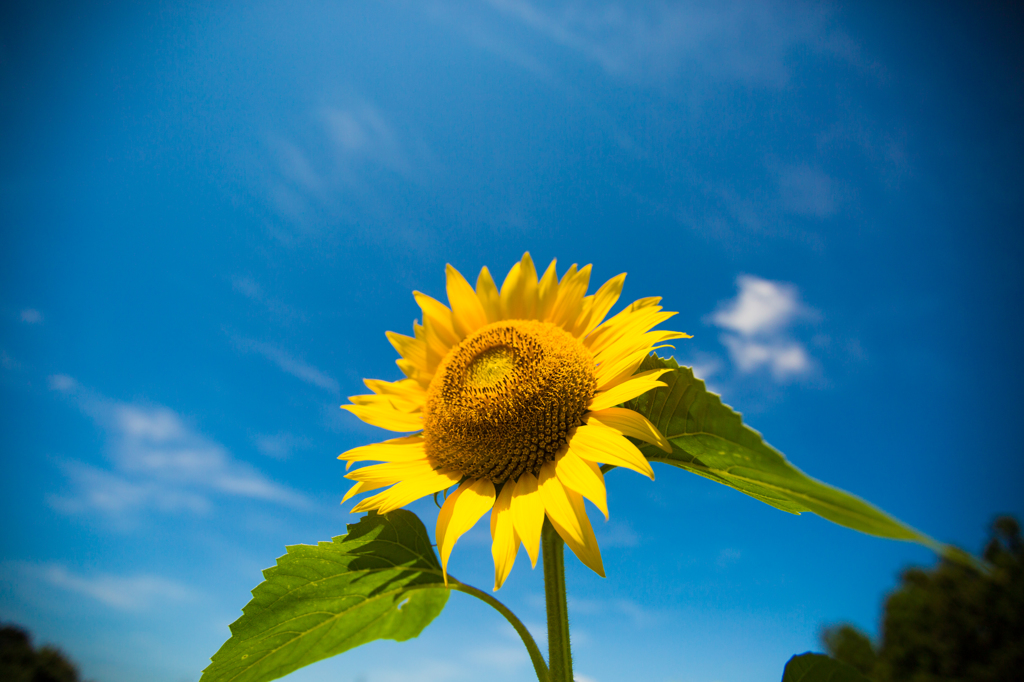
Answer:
x=709 y=439
x=323 y=600
x=819 y=668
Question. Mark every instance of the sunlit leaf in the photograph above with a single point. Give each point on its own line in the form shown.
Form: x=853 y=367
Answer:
x=325 y=599
x=709 y=439
x=819 y=668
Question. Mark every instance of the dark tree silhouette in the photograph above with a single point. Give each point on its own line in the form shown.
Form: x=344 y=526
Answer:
x=951 y=623
x=20 y=662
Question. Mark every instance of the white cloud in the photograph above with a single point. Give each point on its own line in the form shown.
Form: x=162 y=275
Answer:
x=158 y=462
x=128 y=593
x=761 y=307
x=292 y=365
x=31 y=316
x=760 y=319
x=784 y=360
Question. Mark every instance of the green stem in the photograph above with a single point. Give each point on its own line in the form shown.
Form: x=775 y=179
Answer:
x=531 y=646
x=559 y=651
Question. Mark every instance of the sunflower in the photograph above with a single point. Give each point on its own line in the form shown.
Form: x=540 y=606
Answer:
x=514 y=396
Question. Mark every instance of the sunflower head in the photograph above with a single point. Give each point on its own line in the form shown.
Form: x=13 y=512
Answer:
x=514 y=396
x=505 y=399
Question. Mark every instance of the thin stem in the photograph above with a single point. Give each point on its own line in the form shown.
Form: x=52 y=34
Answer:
x=559 y=651
x=531 y=646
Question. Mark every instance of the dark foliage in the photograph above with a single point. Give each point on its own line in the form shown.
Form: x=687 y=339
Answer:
x=21 y=662
x=951 y=623
x=851 y=646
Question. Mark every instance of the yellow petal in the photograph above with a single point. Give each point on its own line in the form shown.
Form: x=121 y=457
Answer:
x=362 y=487
x=603 y=300
x=528 y=514
x=468 y=313
x=373 y=400
x=519 y=291
x=436 y=346
x=584 y=477
x=630 y=423
x=641 y=303
x=557 y=505
x=402 y=449
x=437 y=315
x=638 y=384
x=570 y=297
x=488 y=294
x=504 y=539
x=405 y=388
x=547 y=292
x=597 y=443
x=415 y=372
x=459 y=513
x=634 y=340
x=387 y=418
x=392 y=472
x=624 y=331
x=586 y=550
x=404 y=492
x=611 y=374
x=413 y=350
x=611 y=329
x=405 y=394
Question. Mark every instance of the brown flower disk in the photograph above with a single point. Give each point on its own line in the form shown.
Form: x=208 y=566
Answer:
x=505 y=399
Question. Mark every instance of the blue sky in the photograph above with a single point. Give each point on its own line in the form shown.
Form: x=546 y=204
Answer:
x=211 y=214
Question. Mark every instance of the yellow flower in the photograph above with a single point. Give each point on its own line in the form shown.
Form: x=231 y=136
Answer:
x=514 y=396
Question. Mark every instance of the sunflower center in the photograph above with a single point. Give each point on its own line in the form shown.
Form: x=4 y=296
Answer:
x=504 y=400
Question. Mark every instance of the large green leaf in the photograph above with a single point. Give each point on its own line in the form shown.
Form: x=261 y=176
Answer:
x=709 y=439
x=323 y=600
x=819 y=668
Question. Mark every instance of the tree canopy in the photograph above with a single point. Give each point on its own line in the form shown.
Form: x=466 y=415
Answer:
x=951 y=623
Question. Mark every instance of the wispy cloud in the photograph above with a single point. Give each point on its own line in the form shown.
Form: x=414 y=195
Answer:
x=499 y=657
x=7 y=362
x=287 y=363
x=249 y=288
x=617 y=608
x=617 y=534
x=807 y=191
x=758 y=325
x=158 y=461
x=279 y=445
x=128 y=593
x=661 y=41
x=139 y=592
x=31 y=316
x=422 y=671
x=333 y=164
x=61 y=382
